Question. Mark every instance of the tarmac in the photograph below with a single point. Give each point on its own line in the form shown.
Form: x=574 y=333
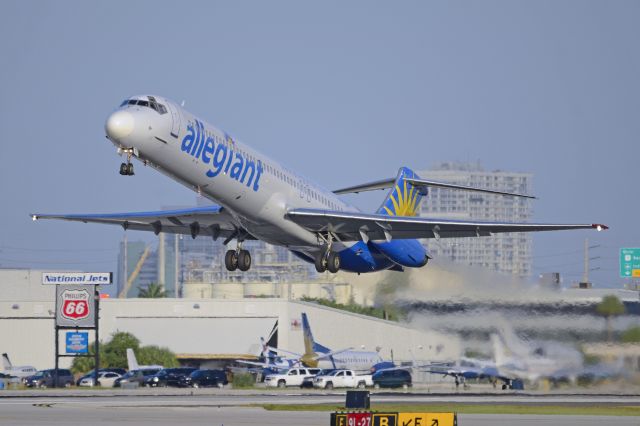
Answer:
x=161 y=407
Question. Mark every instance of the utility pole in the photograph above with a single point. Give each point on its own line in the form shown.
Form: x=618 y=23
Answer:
x=585 y=275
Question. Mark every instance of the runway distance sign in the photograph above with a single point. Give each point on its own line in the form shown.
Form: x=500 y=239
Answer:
x=75 y=305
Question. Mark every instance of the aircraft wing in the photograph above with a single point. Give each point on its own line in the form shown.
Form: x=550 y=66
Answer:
x=263 y=365
x=355 y=226
x=210 y=220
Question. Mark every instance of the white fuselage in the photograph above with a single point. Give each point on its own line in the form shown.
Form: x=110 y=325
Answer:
x=360 y=361
x=256 y=190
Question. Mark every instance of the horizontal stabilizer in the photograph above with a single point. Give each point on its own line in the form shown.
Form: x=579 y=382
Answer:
x=421 y=183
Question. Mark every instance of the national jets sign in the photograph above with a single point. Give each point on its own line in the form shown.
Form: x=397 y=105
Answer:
x=79 y=278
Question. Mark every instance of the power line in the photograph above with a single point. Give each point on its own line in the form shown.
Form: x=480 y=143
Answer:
x=57 y=249
x=53 y=262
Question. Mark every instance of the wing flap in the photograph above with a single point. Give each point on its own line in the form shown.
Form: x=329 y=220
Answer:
x=350 y=226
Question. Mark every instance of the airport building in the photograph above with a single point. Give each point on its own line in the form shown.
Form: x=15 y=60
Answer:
x=505 y=253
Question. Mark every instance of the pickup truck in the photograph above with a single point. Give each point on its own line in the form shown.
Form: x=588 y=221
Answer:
x=342 y=379
x=292 y=377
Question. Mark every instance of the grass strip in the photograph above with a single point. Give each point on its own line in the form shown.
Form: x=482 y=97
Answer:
x=576 y=410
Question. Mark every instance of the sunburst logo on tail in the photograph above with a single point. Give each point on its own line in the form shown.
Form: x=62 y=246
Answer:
x=404 y=201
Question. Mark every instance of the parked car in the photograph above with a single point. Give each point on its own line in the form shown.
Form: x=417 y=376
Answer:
x=205 y=378
x=120 y=371
x=45 y=378
x=342 y=379
x=105 y=378
x=307 y=382
x=168 y=377
x=135 y=376
x=291 y=377
x=391 y=379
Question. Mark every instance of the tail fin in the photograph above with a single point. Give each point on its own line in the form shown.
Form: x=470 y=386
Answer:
x=404 y=198
x=499 y=352
x=5 y=362
x=512 y=341
x=311 y=347
x=132 y=362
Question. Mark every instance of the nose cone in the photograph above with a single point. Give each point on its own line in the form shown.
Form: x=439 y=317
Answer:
x=119 y=125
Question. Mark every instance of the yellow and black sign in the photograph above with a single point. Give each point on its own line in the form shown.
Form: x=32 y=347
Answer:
x=384 y=419
x=393 y=419
x=427 y=419
x=338 y=419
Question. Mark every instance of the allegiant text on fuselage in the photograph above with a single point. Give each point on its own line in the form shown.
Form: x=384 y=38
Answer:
x=223 y=157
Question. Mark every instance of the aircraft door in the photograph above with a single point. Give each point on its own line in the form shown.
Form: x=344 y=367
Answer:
x=175 y=119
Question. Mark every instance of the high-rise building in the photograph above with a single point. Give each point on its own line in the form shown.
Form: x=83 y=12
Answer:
x=506 y=253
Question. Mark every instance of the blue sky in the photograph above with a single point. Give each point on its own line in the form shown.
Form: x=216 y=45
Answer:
x=345 y=92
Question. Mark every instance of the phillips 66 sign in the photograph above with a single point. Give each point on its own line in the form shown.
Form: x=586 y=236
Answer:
x=75 y=306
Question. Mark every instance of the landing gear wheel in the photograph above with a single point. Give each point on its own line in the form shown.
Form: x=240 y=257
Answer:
x=231 y=260
x=123 y=169
x=244 y=260
x=130 y=169
x=333 y=262
x=320 y=262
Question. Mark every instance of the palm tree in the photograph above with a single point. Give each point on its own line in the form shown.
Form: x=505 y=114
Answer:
x=152 y=291
x=609 y=307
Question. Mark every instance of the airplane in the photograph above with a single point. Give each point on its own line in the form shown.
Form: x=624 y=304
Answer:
x=258 y=198
x=525 y=361
x=17 y=370
x=269 y=362
x=132 y=362
x=319 y=356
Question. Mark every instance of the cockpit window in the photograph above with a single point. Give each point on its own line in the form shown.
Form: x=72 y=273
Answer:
x=151 y=103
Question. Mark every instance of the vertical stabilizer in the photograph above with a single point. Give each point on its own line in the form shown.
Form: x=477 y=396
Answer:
x=403 y=199
x=132 y=362
x=512 y=342
x=6 y=364
x=307 y=336
x=499 y=352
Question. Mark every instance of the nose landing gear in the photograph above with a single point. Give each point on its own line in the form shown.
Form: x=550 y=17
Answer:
x=126 y=169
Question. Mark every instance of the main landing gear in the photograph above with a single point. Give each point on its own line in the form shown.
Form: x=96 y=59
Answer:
x=237 y=259
x=327 y=259
x=126 y=169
